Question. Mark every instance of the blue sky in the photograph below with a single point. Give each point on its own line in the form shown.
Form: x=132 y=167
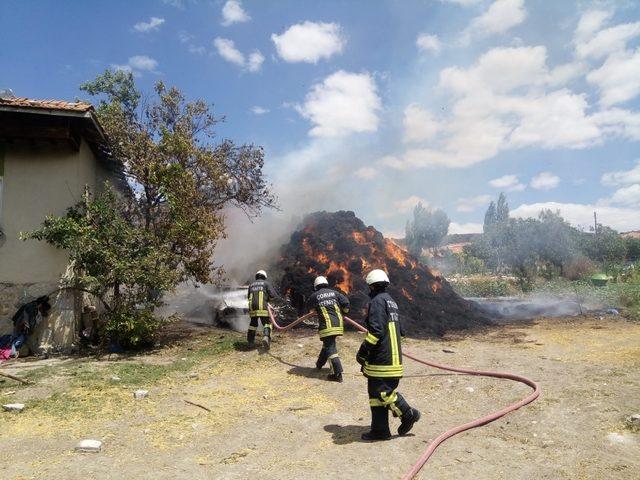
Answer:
x=373 y=106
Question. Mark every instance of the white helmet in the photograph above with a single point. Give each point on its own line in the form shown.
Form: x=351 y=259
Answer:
x=261 y=272
x=377 y=276
x=320 y=281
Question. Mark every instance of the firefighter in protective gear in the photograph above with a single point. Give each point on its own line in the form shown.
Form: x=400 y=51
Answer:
x=329 y=306
x=259 y=294
x=381 y=358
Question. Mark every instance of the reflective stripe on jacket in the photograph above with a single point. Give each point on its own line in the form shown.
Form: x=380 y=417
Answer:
x=259 y=294
x=383 y=340
x=329 y=305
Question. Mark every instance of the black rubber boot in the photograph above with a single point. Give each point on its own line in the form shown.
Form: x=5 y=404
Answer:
x=251 y=338
x=335 y=377
x=408 y=420
x=375 y=436
x=379 y=425
x=266 y=342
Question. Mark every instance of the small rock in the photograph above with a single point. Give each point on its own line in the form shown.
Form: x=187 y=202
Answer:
x=265 y=396
x=446 y=350
x=613 y=311
x=300 y=345
x=470 y=389
x=183 y=358
x=115 y=378
x=615 y=437
x=633 y=422
x=140 y=394
x=193 y=375
x=13 y=407
x=449 y=380
x=89 y=446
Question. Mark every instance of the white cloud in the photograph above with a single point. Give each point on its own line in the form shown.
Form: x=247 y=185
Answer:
x=227 y=50
x=618 y=79
x=607 y=41
x=501 y=16
x=255 y=61
x=257 y=110
x=343 y=103
x=499 y=70
x=619 y=123
x=510 y=183
x=590 y=22
x=428 y=43
x=309 y=42
x=455 y=228
x=622 y=219
x=366 y=173
x=628 y=196
x=142 y=62
x=509 y=100
x=623 y=177
x=419 y=124
x=138 y=64
x=232 y=12
x=153 y=24
x=545 y=181
x=197 y=49
x=469 y=204
x=408 y=204
x=563 y=74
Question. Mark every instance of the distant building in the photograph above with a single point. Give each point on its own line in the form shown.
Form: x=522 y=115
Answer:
x=49 y=152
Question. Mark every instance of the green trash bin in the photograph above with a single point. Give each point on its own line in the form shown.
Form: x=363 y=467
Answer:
x=599 y=279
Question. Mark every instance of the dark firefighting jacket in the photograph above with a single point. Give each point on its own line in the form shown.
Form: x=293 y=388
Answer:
x=381 y=350
x=329 y=305
x=260 y=292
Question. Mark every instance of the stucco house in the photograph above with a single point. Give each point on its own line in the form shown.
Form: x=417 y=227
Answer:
x=49 y=152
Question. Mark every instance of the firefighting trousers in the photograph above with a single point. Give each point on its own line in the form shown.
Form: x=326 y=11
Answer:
x=330 y=352
x=383 y=398
x=253 y=326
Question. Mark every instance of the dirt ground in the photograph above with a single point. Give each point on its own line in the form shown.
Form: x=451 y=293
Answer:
x=274 y=417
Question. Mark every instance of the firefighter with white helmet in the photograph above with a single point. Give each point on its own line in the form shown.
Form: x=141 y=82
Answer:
x=329 y=306
x=260 y=292
x=381 y=358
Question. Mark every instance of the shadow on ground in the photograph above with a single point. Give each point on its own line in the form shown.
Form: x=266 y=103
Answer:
x=345 y=434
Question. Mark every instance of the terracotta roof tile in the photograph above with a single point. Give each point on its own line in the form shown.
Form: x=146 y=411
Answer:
x=19 y=102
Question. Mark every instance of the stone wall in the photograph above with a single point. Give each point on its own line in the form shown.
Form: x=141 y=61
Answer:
x=56 y=332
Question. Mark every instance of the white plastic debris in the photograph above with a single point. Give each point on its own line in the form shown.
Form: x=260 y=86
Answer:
x=89 y=446
x=13 y=407
x=115 y=378
x=138 y=394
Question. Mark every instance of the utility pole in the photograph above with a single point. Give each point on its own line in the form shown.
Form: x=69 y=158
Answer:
x=595 y=223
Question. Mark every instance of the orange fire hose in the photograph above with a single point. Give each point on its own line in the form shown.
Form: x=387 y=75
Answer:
x=461 y=428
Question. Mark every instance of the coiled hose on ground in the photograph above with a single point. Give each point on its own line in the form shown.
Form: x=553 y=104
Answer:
x=460 y=428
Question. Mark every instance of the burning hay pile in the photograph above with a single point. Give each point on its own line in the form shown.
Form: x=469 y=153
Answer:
x=339 y=246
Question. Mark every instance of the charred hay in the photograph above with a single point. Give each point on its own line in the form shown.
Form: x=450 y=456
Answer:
x=339 y=246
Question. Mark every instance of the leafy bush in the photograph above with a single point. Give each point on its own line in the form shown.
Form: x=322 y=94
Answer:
x=483 y=286
x=578 y=268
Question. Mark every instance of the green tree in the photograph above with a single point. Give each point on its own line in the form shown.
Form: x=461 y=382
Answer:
x=427 y=230
x=502 y=210
x=604 y=245
x=115 y=261
x=490 y=218
x=166 y=230
x=182 y=179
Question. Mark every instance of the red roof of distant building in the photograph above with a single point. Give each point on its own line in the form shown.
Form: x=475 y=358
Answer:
x=60 y=105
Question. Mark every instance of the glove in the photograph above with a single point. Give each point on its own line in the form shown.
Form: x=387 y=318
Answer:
x=363 y=354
